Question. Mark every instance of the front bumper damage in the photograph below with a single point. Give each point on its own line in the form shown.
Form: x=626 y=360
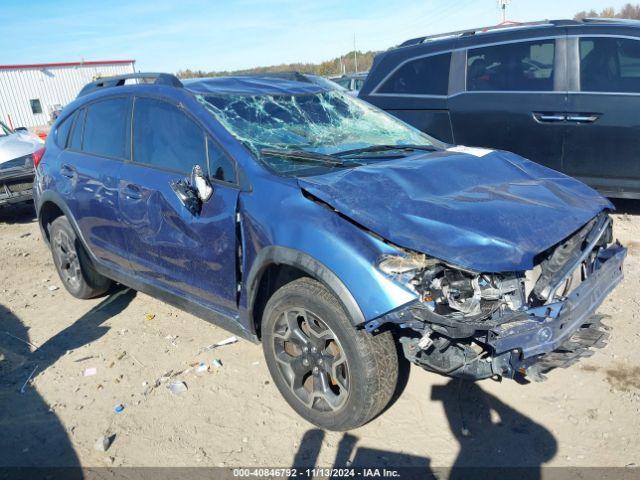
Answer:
x=527 y=343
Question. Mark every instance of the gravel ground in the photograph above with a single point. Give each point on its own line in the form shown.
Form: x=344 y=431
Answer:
x=586 y=415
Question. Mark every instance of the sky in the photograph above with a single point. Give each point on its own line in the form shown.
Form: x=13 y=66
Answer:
x=212 y=35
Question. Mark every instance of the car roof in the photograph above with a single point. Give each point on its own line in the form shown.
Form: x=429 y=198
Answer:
x=488 y=32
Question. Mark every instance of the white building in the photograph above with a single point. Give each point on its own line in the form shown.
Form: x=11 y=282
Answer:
x=29 y=93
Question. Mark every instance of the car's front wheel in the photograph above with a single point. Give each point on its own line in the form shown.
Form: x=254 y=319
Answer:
x=333 y=374
x=72 y=262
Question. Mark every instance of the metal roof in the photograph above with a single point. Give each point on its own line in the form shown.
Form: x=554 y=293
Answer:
x=39 y=66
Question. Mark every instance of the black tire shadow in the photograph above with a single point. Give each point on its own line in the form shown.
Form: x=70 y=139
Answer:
x=31 y=434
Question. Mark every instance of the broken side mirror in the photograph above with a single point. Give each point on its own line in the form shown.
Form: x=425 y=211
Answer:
x=187 y=196
x=201 y=184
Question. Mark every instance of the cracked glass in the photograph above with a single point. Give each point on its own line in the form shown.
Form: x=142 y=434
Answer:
x=325 y=123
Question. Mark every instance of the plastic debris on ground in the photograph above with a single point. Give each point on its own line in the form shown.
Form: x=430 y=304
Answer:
x=104 y=442
x=216 y=362
x=89 y=372
x=177 y=388
x=227 y=341
x=118 y=408
x=149 y=316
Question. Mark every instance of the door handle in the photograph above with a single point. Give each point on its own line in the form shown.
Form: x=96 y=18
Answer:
x=582 y=118
x=132 y=192
x=67 y=171
x=548 y=117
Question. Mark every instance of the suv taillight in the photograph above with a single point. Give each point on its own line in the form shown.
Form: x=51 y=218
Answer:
x=37 y=156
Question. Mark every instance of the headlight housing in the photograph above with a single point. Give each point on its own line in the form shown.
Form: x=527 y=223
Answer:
x=455 y=292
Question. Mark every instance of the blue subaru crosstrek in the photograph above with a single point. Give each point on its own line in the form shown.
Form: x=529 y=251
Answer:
x=342 y=239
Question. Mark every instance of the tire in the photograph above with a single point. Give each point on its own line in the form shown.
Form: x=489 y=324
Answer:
x=357 y=372
x=74 y=267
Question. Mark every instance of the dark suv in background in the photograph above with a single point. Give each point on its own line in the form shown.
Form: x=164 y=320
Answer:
x=563 y=93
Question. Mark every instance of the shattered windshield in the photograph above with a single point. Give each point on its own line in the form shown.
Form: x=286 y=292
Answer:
x=325 y=123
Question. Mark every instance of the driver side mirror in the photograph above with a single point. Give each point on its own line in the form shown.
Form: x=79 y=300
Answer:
x=201 y=184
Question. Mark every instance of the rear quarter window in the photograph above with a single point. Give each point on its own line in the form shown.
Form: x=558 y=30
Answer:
x=421 y=76
x=62 y=132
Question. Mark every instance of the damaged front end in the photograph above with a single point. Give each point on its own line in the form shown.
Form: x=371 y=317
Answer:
x=480 y=325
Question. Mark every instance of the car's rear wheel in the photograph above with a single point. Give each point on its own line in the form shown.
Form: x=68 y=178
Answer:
x=74 y=267
x=334 y=375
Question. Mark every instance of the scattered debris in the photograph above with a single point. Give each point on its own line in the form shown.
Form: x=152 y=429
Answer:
x=177 y=388
x=22 y=390
x=227 y=341
x=84 y=359
x=202 y=367
x=53 y=288
x=216 y=362
x=103 y=443
x=149 y=316
x=119 y=408
x=121 y=355
x=90 y=372
x=25 y=235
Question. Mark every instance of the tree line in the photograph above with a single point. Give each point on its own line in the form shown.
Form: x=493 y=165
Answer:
x=628 y=11
x=333 y=67
x=346 y=63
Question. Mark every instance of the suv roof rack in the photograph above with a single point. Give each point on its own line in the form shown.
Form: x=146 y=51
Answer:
x=516 y=25
x=119 y=80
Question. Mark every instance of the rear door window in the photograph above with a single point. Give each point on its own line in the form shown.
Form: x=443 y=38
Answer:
x=421 y=76
x=514 y=67
x=609 y=64
x=107 y=127
x=165 y=137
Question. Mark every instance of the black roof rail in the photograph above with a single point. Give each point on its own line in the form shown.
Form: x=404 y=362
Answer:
x=119 y=80
x=473 y=31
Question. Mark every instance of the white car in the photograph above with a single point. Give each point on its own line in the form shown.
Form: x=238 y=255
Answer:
x=17 y=150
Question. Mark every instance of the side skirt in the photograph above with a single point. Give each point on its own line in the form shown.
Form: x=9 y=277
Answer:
x=219 y=319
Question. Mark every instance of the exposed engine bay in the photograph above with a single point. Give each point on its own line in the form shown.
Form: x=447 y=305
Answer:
x=480 y=325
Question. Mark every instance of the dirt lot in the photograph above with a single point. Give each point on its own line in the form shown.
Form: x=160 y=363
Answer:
x=587 y=415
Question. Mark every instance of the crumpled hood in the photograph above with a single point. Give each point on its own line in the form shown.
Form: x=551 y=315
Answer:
x=490 y=213
x=17 y=145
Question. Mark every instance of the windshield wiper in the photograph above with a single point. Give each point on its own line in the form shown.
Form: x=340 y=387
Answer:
x=384 y=148
x=302 y=155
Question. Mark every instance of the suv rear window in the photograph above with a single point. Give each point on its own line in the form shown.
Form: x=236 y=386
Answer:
x=519 y=66
x=422 y=76
x=106 y=129
x=609 y=64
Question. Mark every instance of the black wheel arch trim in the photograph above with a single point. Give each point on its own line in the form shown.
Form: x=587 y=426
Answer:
x=279 y=255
